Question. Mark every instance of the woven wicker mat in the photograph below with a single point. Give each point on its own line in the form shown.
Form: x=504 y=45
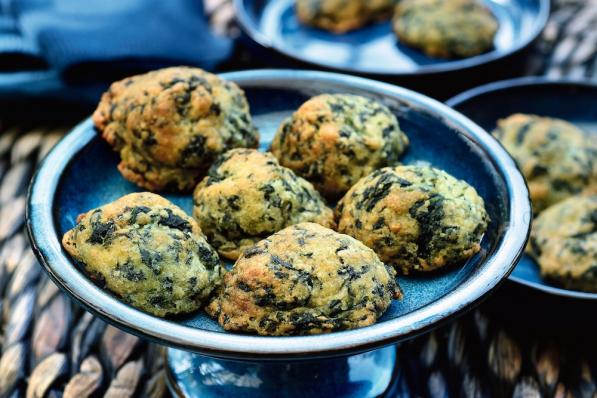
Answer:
x=52 y=348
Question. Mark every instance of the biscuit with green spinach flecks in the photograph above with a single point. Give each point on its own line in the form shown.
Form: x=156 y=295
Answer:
x=414 y=217
x=305 y=279
x=445 y=28
x=334 y=140
x=557 y=159
x=148 y=252
x=248 y=196
x=340 y=16
x=564 y=243
x=169 y=125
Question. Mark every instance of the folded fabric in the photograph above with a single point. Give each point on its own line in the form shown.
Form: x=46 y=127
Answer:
x=107 y=36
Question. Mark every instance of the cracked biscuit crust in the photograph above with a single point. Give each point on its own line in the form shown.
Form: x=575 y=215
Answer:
x=169 y=125
x=556 y=158
x=564 y=243
x=248 y=196
x=305 y=279
x=334 y=140
x=445 y=28
x=147 y=251
x=415 y=218
x=340 y=16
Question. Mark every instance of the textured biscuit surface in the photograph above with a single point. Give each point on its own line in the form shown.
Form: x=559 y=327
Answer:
x=334 y=140
x=557 y=159
x=445 y=28
x=414 y=217
x=248 y=196
x=169 y=125
x=564 y=243
x=305 y=279
x=147 y=251
x=340 y=16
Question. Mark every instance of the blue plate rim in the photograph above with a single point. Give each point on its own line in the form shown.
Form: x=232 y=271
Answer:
x=254 y=34
x=47 y=248
x=530 y=81
x=501 y=85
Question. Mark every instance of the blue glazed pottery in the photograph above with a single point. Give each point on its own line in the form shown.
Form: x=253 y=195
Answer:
x=368 y=374
x=271 y=28
x=80 y=174
x=573 y=101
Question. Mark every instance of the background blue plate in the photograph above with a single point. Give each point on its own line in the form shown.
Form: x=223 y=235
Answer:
x=80 y=174
x=374 y=50
x=570 y=100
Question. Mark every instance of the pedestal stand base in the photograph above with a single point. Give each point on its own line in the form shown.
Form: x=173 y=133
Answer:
x=364 y=375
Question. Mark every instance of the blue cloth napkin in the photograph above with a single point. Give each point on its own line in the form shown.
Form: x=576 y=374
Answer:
x=98 y=37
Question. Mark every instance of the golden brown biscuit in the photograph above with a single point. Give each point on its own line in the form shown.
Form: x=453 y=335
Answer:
x=147 y=251
x=169 y=125
x=445 y=28
x=564 y=243
x=414 y=217
x=340 y=16
x=334 y=140
x=556 y=158
x=305 y=279
x=247 y=196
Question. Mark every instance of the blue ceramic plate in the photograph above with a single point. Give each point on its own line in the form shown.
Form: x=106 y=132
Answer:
x=80 y=174
x=570 y=100
x=374 y=50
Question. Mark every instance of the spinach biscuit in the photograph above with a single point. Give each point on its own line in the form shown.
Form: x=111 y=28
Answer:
x=445 y=28
x=169 y=125
x=305 y=279
x=556 y=158
x=414 y=217
x=340 y=16
x=564 y=243
x=334 y=140
x=248 y=196
x=147 y=251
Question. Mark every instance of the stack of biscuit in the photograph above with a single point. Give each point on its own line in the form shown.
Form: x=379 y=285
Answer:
x=300 y=267
x=559 y=162
x=438 y=28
